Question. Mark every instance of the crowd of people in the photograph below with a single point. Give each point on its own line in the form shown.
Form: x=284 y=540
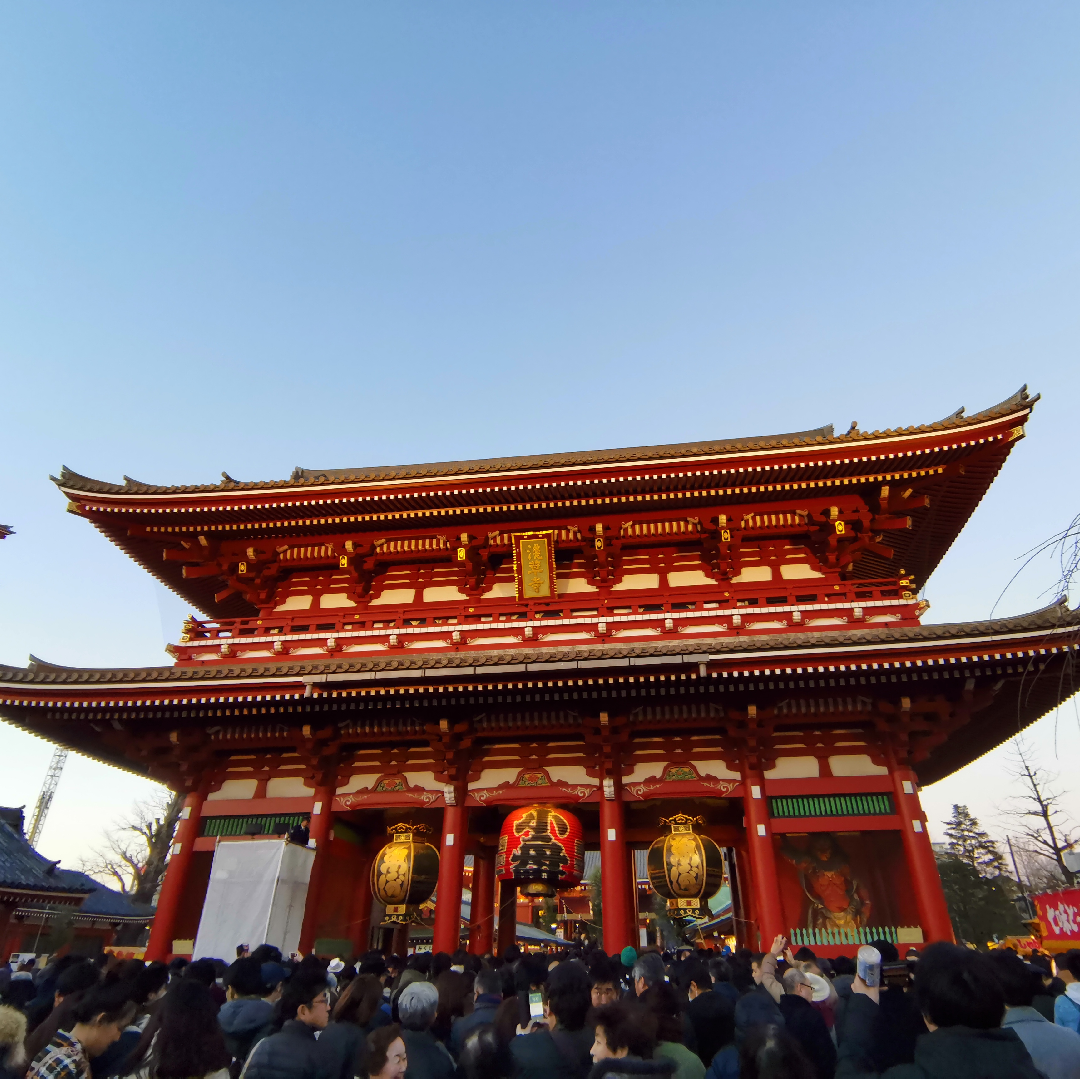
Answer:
x=578 y=1014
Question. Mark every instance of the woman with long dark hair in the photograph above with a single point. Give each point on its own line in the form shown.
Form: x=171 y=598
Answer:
x=71 y=986
x=453 y=989
x=147 y=986
x=356 y=1014
x=189 y=1043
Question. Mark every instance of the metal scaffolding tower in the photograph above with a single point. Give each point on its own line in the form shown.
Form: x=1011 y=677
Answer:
x=48 y=789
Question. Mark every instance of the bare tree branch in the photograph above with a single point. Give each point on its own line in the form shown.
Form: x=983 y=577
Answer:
x=1044 y=832
x=135 y=848
x=1066 y=546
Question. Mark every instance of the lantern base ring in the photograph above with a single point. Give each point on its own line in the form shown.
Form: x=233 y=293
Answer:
x=402 y=914
x=687 y=908
x=537 y=888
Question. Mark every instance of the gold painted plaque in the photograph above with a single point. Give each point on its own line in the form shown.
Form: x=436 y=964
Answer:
x=534 y=565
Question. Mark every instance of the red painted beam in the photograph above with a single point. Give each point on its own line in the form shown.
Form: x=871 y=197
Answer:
x=787 y=825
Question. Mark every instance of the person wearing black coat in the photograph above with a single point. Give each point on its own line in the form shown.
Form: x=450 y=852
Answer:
x=561 y=1048
x=962 y=1004
x=427 y=1057
x=21 y=989
x=300 y=834
x=711 y=1013
x=357 y=1013
x=294 y=1052
x=805 y=1023
x=487 y=996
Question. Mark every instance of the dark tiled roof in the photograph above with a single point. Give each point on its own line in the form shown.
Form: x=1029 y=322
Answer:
x=104 y=901
x=22 y=867
x=307 y=477
x=483 y=664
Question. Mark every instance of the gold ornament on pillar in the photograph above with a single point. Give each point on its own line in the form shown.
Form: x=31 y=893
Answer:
x=686 y=868
x=404 y=873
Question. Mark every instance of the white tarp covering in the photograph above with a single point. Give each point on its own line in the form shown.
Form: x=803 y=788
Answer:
x=256 y=895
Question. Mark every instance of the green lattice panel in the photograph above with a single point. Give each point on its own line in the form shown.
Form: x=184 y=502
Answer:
x=215 y=826
x=832 y=805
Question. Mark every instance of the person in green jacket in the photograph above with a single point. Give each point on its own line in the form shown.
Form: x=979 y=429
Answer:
x=662 y=1000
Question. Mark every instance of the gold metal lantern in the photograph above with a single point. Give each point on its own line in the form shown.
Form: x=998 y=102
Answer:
x=686 y=868
x=405 y=872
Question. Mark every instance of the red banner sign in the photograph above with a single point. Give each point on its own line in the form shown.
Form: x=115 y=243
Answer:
x=1059 y=913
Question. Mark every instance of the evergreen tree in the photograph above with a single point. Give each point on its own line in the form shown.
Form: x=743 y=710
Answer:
x=979 y=907
x=971 y=846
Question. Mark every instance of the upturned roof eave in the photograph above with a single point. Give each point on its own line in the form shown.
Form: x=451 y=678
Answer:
x=75 y=484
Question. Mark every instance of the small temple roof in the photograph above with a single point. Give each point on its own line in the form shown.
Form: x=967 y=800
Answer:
x=106 y=903
x=306 y=477
x=28 y=874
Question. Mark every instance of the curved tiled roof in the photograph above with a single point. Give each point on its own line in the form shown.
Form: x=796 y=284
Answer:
x=103 y=901
x=305 y=477
x=22 y=868
x=1054 y=617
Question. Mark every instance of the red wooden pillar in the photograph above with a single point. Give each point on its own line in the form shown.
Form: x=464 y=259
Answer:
x=507 y=916
x=446 y=935
x=360 y=908
x=759 y=846
x=614 y=868
x=159 y=947
x=6 y=911
x=922 y=865
x=321 y=832
x=482 y=922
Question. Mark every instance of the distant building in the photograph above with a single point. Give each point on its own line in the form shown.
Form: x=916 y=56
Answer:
x=39 y=901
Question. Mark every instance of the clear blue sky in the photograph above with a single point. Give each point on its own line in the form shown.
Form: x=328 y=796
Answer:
x=250 y=236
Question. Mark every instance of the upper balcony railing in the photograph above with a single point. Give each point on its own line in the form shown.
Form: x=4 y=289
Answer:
x=566 y=620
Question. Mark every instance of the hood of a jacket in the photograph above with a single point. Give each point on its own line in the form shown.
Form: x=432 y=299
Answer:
x=239 y=1017
x=1015 y=1016
x=1072 y=991
x=615 y=1067
x=955 y=1052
